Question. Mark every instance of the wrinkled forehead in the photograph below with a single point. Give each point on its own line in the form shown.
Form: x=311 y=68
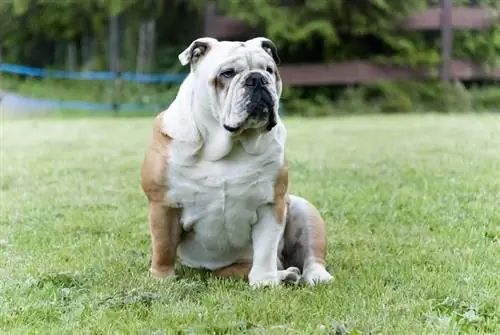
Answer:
x=251 y=55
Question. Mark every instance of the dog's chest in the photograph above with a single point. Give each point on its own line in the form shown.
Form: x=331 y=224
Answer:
x=220 y=199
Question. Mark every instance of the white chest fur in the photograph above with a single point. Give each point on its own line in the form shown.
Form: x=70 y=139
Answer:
x=219 y=203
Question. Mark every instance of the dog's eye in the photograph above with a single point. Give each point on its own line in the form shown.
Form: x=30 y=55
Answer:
x=270 y=70
x=228 y=73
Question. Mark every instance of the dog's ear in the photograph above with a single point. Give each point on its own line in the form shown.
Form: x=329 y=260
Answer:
x=196 y=50
x=267 y=45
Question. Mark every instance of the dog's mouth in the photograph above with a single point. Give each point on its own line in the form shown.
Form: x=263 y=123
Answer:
x=232 y=129
x=267 y=121
x=260 y=113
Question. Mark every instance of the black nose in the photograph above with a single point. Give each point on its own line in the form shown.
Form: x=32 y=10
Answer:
x=256 y=79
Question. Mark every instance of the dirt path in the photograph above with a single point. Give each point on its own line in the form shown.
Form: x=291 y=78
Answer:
x=12 y=104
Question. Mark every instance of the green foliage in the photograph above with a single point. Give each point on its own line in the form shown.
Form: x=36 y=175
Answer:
x=480 y=3
x=306 y=31
x=485 y=98
x=368 y=30
x=400 y=96
x=479 y=45
x=405 y=96
x=31 y=29
x=349 y=30
x=336 y=24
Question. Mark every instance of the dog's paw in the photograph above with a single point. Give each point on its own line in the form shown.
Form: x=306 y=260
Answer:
x=316 y=275
x=262 y=279
x=290 y=276
x=164 y=272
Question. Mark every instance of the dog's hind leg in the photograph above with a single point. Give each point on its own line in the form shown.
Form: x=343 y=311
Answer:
x=241 y=270
x=305 y=241
x=237 y=271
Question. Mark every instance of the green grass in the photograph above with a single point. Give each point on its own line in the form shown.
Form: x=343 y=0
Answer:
x=412 y=205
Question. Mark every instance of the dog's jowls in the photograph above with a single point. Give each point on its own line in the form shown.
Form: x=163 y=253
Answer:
x=216 y=177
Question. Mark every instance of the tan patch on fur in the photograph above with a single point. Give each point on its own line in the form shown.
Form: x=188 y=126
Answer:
x=217 y=84
x=278 y=77
x=154 y=166
x=163 y=217
x=280 y=193
x=317 y=233
x=238 y=271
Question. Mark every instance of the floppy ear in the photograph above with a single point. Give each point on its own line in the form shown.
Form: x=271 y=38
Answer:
x=267 y=45
x=196 y=50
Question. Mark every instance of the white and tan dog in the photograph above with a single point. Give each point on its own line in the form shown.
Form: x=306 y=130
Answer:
x=216 y=178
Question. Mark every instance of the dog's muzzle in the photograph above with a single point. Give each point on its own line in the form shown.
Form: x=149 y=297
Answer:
x=260 y=102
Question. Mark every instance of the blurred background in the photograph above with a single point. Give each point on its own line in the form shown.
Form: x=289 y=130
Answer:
x=338 y=56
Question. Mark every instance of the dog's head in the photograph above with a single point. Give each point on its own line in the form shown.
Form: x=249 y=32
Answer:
x=238 y=80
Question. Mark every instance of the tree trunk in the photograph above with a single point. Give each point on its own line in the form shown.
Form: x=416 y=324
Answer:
x=151 y=37
x=114 y=59
x=59 y=54
x=87 y=52
x=114 y=44
x=209 y=19
x=1 y=47
x=146 y=46
x=71 y=56
x=141 y=48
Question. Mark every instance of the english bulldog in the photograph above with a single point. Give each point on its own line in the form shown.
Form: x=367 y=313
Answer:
x=216 y=178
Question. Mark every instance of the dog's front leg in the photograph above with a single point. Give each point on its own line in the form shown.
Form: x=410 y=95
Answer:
x=165 y=234
x=266 y=235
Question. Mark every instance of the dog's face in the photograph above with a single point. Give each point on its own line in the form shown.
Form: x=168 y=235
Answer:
x=238 y=80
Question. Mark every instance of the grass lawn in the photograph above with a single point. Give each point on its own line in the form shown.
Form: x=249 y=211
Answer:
x=412 y=205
